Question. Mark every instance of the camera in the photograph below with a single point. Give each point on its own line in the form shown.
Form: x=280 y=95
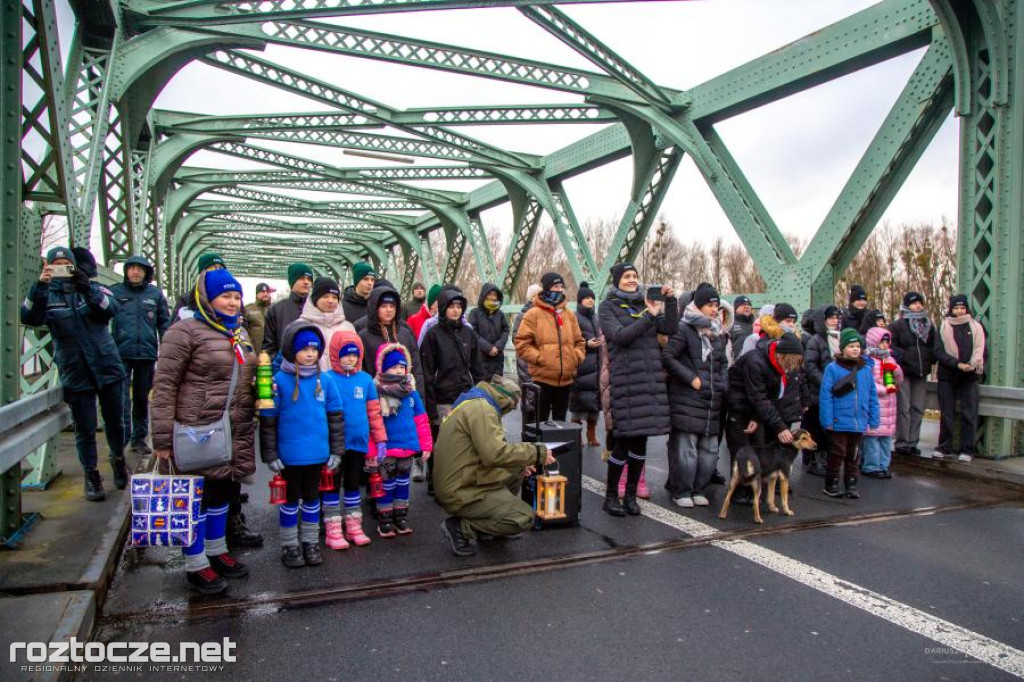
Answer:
x=62 y=270
x=654 y=292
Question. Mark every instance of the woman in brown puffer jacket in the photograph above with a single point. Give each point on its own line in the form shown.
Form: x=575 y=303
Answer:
x=193 y=375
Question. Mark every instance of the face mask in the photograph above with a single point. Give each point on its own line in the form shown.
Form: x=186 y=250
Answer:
x=492 y=306
x=553 y=298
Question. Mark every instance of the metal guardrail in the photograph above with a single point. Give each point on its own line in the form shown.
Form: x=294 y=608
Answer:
x=994 y=401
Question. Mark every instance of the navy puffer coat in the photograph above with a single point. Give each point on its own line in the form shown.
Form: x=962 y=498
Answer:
x=639 y=398
x=584 y=395
x=142 y=316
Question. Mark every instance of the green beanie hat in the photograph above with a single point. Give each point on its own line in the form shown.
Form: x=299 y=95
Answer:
x=432 y=294
x=360 y=270
x=297 y=271
x=210 y=259
x=848 y=336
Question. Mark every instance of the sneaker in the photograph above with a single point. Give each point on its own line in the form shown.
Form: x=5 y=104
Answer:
x=228 y=566
x=455 y=539
x=206 y=581
x=311 y=553
x=885 y=474
x=291 y=556
x=686 y=502
x=700 y=500
x=964 y=457
x=914 y=450
x=717 y=478
x=938 y=454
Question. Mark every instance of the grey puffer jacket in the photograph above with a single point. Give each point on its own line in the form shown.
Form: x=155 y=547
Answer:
x=639 y=397
x=696 y=410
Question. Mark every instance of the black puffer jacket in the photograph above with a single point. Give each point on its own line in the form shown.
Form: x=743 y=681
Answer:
x=754 y=386
x=584 y=396
x=852 y=318
x=916 y=357
x=639 y=398
x=142 y=316
x=280 y=315
x=491 y=331
x=816 y=352
x=695 y=410
x=374 y=336
x=355 y=306
x=740 y=330
x=450 y=359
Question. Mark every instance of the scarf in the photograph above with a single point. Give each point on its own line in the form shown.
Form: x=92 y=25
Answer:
x=919 y=322
x=321 y=319
x=977 y=333
x=226 y=325
x=628 y=301
x=393 y=389
x=878 y=352
x=833 y=341
x=773 y=358
x=302 y=372
x=708 y=329
x=492 y=306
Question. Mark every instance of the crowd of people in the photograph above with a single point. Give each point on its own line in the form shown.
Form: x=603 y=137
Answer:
x=368 y=386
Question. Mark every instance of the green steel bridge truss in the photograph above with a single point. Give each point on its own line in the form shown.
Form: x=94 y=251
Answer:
x=80 y=138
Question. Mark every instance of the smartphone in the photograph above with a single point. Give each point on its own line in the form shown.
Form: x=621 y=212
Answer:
x=654 y=292
x=62 y=270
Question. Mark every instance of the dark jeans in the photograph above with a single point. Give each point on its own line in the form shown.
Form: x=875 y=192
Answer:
x=949 y=393
x=83 y=414
x=843 y=448
x=554 y=402
x=138 y=381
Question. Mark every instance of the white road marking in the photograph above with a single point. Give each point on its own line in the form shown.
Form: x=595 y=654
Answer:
x=984 y=649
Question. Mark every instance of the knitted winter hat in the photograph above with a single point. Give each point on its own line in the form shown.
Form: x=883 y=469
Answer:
x=348 y=349
x=361 y=270
x=789 y=344
x=872 y=318
x=393 y=359
x=857 y=293
x=705 y=295
x=878 y=334
x=306 y=338
x=297 y=271
x=740 y=300
x=550 y=279
x=831 y=311
x=433 y=293
x=219 y=282
x=61 y=252
x=620 y=269
x=263 y=286
x=848 y=336
x=912 y=297
x=767 y=309
x=783 y=312
x=958 y=299
x=584 y=292
x=389 y=297
x=532 y=291
x=323 y=286
x=208 y=260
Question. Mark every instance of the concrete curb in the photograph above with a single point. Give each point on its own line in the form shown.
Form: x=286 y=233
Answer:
x=977 y=470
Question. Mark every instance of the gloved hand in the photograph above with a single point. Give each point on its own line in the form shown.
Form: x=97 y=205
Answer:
x=382 y=452
x=80 y=280
x=889 y=365
x=276 y=465
x=333 y=462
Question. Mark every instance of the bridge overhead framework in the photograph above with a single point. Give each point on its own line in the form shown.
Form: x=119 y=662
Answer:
x=81 y=138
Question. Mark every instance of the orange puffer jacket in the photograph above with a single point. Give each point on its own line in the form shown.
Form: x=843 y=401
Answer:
x=553 y=349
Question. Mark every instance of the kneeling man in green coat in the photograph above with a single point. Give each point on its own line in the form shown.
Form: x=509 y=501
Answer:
x=477 y=473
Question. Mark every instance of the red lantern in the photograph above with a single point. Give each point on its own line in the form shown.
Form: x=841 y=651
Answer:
x=326 y=480
x=376 y=485
x=278 y=488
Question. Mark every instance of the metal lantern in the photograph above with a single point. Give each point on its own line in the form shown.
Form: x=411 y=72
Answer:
x=376 y=485
x=326 y=480
x=278 y=488
x=550 y=501
x=264 y=383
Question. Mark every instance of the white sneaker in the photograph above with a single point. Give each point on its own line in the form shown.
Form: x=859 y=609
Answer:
x=964 y=457
x=686 y=502
x=935 y=454
x=700 y=500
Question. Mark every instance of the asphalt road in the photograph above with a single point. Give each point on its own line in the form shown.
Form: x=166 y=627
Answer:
x=897 y=585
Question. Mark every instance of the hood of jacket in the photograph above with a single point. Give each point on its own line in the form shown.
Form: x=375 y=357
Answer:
x=814 y=321
x=145 y=265
x=444 y=299
x=340 y=339
x=505 y=404
x=313 y=314
x=487 y=288
x=372 y=303
x=289 y=336
x=771 y=328
x=387 y=348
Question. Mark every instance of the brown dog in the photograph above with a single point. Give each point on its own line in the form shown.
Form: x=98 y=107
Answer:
x=769 y=464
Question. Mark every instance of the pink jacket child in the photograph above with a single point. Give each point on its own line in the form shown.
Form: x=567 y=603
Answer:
x=879 y=339
x=408 y=433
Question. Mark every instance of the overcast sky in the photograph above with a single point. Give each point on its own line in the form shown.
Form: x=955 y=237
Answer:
x=797 y=153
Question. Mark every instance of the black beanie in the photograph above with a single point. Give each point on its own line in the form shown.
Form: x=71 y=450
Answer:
x=740 y=300
x=958 y=299
x=857 y=293
x=323 y=286
x=789 y=344
x=705 y=294
x=831 y=311
x=550 y=279
x=784 y=311
x=584 y=292
x=620 y=269
x=912 y=297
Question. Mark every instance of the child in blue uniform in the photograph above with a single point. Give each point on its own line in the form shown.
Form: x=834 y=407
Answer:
x=408 y=434
x=304 y=431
